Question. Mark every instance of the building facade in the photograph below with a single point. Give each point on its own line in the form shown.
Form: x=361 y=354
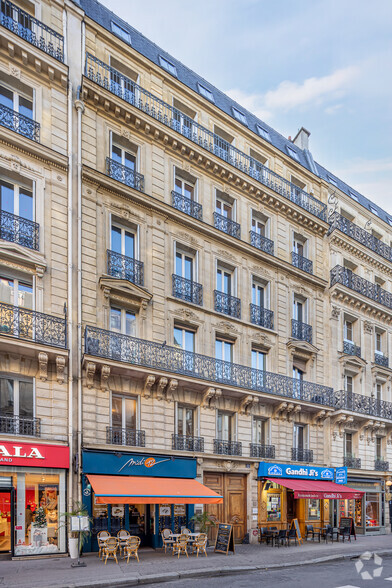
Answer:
x=178 y=282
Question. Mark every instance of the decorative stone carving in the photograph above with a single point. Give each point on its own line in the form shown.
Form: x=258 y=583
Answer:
x=60 y=366
x=263 y=340
x=335 y=313
x=279 y=410
x=148 y=383
x=162 y=383
x=43 y=366
x=229 y=465
x=226 y=254
x=319 y=418
x=247 y=403
x=206 y=398
x=105 y=374
x=14 y=71
x=171 y=388
x=292 y=411
x=186 y=315
x=227 y=327
x=368 y=327
x=90 y=372
x=213 y=401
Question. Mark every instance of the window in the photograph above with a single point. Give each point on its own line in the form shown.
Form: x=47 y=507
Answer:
x=259 y=431
x=299 y=309
x=348 y=330
x=258 y=226
x=184 y=339
x=353 y=196
x=123 y=240
x=239 y=116
x=16 y=292
x=122 y=321
x=183 y=118
x=124 y=412
x=259 y=293
x=120 y=32
x=224 y=280
x=168 y=66
x=348 y=445
x=124 y=157
x=16 y=199
x=222 y=143
x=185 y=264
x=314 y=510
x=378 y=391
x=379 y=448
x=348 y=383
x=224 y=426
x=206 y=93
x=19 y=101
x=16 y=406
x=123 y=80
x=389 y=220
x=292 y=152
x=332 y=181
x=299 y=438
x=298 y=376
x=374 y=210
x=378 y=343
x=224 y=205
x=259 y=360
x=257 y=165
x=263 y=133
x=185 y=421
x=224 y=350
x=185 y=185
x=299 y=245
x=297 y=187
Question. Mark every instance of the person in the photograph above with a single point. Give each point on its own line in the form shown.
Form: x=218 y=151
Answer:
x=29 y=517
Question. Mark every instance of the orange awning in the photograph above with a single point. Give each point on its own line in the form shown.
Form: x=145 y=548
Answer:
x=146 y=490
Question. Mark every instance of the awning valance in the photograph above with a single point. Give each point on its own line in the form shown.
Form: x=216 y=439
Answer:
x=149 y=490
x=318 y=489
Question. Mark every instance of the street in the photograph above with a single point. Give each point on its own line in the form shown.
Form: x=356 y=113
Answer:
x=330 y=575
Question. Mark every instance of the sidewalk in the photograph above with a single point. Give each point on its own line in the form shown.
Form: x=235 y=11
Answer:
x=155 y=566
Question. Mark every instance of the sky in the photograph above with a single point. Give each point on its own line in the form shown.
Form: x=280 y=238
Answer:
x=322 y=64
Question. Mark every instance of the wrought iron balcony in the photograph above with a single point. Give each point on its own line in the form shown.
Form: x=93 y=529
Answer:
x=32 y=30
x=301 y=262
x=363 y=404
x=301 y=331
x=299 y=454
x=337 y=221
x=227 y=304
x=381 y=359
x=350 y=461
x=16 y=425
x=124 y=174
x=380 y=465
x=19 y=230
x=131 y=437
x=126 y=268
x=30 y=325
x=19 y=123
x=351 y=349
x=187 y=443
x=227 y=447
x=148 y=354
x=345 y=277
x=261 y=242
x=187 y=290
x=187 y=205
x=226 y=225
x=262 y=451
x=261 y=316
x=113 y=81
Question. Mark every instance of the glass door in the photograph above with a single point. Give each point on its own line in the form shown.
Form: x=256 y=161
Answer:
x=6 y=520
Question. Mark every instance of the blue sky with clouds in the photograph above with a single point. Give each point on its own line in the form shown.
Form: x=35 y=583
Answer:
x=322 y=64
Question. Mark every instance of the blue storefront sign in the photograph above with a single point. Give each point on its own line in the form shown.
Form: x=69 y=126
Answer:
x=305 y=472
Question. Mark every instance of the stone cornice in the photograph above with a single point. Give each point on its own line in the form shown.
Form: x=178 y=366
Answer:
x=361 y=303
x=361 y=252
x=32 y=148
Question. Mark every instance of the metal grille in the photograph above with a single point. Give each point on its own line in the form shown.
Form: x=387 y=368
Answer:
x=226 y=225
x=301 y=454
x=187 y=205
x=227 y=447
x=132 y=437
x=19 y=123
x=262 y=451
x=381 y=466
x=187 y=443
x=227 y=304
x=261 y=242
x=381 y=360
x=126 y=268
x=31 y=325
x=345 y=277
x=301 y=331
x=261 y=316
x=15 y=425
x=187 y=290
x=124 y=174
x=351 y=348
x=19 y=230
x=363 y=404
x=349 y=461
x=301 y=262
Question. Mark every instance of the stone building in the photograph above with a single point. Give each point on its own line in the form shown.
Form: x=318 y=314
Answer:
x=181 y=284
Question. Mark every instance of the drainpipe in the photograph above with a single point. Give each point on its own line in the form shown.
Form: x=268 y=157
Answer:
x=70 y=305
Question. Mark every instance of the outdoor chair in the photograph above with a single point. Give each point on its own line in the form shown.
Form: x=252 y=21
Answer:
x=311 y=532
x=280 y=538
x=185 y=531
x=345 y=532
x=110 y=549
x=180 y=546
x=329 y=531
x=264 y=535
x=166 y=539
x=200 y=544
x=131 y=547
x=291 y=535
x=122 y=537
x=101 y=537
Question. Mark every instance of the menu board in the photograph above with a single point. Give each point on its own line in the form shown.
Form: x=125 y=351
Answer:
x=224 y=539
x=348 y=523
x=295 y=524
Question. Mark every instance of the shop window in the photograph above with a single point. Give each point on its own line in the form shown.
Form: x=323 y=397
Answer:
x=314 y=510
x=274 y=502
x=17 y=407
x=372 y=509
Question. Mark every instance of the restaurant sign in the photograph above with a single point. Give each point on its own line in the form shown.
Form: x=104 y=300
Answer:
x=299 y=471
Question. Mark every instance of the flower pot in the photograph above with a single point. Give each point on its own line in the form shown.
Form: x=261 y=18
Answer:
x=73 y=544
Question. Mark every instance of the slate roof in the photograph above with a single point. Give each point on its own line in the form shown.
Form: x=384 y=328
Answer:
x=104 y=17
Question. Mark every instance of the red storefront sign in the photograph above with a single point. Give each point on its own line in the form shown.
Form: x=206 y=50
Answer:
x=34 y=455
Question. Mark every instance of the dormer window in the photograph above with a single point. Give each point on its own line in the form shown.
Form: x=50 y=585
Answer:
x=168 y=66
x=332 y=181
x=373 y=210
x=240 y=116
x=353 y=196
x=206 y=93
x=263 y=133
x=292 y=153
x=121 y=32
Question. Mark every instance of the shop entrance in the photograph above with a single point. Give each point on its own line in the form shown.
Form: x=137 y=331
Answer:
x=291 y=506
x=233 y=509
x=6 y=519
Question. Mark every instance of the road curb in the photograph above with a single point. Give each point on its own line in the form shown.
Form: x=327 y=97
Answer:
x=214 y=572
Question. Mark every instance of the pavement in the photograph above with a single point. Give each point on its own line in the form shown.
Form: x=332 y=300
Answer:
x=156 y=566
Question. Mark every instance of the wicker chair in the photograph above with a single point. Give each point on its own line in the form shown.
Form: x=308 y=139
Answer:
x=166 y=539
x=200 y=544
x=180 y=546
x=122 y=537
x=101 y=537
x=110 y=549
x=131 y=547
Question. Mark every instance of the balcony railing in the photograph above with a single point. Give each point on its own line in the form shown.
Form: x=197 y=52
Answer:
x=126 y=268
x=298 y=454
x=380 y=465
x=19 y=230
x=131 y=437
x=262 y=451
x=351 y=349
x=32 y=326
x=345 y=277
x=227 y=447
x=124 y=174
x=227 y=304
x=187 y=443
x=32 y=30
x=301 y=262
x=148 y=354
x=19 y=123
x=350 y=461
x=187 y=290
x=113 y=81
x=301 y=331
x=363 y=404
x=187 y=205
x=261 y=316
x=381 y=359
x=261 y=242
x=226 y=225
x=16 y=425
x=337 y=221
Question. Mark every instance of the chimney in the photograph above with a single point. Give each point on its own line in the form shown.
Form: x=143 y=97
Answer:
x=301 y=139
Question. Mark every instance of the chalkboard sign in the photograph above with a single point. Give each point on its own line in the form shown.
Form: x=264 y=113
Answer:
x=295 y=525
x=224 y=539
x=348 y=523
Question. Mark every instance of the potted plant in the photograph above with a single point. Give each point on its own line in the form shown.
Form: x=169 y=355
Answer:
x=78 y=510
x=202 y=520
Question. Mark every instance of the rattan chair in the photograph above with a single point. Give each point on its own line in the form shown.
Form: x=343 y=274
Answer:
x=200 y=544
x=166 y=539
x=185 y=531
x=131 y=547
x=180 y=546
x=122 y=537
x=110 y=549
x=101 y=538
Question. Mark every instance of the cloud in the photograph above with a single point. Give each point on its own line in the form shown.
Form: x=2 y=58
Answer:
x=333 y=109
